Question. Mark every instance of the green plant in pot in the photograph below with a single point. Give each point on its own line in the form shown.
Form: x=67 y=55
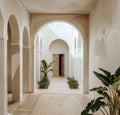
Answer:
x=73 y=83
x=109 y=101
x=45 y=68
x=44 y=83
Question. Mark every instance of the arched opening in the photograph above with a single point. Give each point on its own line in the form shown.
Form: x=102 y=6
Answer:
x=59 y=54
x=25 y=61
x=63 y=31
x=13 y=61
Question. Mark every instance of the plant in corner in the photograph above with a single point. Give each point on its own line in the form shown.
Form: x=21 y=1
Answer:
x=109 y=101
x=45 y=68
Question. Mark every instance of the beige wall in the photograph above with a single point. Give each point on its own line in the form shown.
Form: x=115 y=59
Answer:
x=104 y=38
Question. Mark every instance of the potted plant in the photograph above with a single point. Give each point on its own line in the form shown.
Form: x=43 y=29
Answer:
x=73 y=83
x=45 y=68
x=109 y=101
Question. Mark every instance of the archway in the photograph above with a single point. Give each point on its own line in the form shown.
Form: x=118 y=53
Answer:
x=13 y=59
x=59 y=53
x=25 y=61
x=80 y=22
x=72 y=38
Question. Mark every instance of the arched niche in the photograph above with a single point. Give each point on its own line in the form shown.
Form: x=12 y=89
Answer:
x=59 y=53
x=25 y=60
x=13 y=59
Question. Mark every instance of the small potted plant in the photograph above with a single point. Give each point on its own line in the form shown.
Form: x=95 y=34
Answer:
x=73 y=83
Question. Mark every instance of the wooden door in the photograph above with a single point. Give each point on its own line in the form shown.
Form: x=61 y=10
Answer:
x=56 y=65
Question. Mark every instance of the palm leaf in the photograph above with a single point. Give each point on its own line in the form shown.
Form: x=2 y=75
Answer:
x=117 y=72
x=102 y=91
x=107 y=73
x=87 y=109
x=44 y=64
x=100 y=88
x=103 y=78
x=94 y=105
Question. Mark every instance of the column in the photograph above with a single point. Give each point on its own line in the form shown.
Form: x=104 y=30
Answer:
x=26 y=79
x=31 y=69
x=3 y=76
x=16 y=81
x=85 y=66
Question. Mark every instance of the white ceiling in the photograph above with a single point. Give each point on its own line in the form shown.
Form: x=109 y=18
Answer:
x=59 y=6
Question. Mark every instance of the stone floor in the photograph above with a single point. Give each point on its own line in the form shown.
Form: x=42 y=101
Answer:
x=58 y=99
x=58 y=85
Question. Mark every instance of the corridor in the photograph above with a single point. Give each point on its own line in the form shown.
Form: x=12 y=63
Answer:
x=58 y=99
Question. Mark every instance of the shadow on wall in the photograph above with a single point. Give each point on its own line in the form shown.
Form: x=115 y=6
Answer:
x=107 y=50
x=100 y=48
x=16 y=86
x=113 y=43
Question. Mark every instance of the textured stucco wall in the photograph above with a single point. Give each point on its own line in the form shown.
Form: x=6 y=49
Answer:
x=104 y=41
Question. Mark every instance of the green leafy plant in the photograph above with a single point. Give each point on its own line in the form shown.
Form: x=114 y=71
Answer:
x=109 y=101
x=44 y=83
x=45 y=68
x=73 y=83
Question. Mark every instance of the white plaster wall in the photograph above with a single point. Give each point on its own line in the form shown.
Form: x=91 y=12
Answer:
x=104 y=43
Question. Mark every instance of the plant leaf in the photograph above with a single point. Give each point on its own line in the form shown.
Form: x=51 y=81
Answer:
x=107 y=73
x=117 y=72
x=103 y=78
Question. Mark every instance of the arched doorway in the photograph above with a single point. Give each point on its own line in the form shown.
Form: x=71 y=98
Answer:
x=13 y=59
x=59 y=54
x=72 y=36
x=26 y=78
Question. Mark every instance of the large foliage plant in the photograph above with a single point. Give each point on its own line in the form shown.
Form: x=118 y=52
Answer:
x=109 y=100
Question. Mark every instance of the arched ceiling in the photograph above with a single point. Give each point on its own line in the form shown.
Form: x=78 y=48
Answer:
x=59 y=6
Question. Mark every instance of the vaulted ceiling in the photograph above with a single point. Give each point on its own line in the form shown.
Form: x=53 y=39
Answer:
x=59 y=6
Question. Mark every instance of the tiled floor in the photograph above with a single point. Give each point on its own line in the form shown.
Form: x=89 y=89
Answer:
x=58 y=99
